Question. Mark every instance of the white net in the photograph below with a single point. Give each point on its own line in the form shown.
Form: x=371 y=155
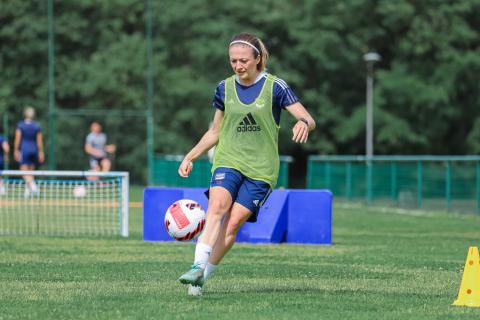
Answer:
x=63 y=203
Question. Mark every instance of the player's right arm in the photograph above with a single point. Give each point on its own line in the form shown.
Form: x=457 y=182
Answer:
x=5 y=147
x=16 y=144
x=209 y=139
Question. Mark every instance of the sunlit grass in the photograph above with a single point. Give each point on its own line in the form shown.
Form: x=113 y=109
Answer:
x=382 y=265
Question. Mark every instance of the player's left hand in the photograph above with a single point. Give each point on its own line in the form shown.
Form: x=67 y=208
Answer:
x=111 y=148
x=300 y=132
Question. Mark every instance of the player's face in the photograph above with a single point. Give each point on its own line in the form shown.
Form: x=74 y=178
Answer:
x=243 y=63
x=95 y=127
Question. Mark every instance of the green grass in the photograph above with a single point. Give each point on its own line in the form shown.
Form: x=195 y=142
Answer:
x=383 y=265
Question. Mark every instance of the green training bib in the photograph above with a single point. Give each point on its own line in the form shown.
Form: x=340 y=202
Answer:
x=248 y=139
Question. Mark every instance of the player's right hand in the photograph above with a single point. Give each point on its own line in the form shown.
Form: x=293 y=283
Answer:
x=185 y=168
x=41 y=157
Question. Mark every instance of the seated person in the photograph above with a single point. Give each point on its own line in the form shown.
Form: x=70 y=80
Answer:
x=96 y=146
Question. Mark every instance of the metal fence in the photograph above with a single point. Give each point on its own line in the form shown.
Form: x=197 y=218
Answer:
x=165 y=174
x=450 y=183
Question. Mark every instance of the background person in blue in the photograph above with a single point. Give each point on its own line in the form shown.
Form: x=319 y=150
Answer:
x=28 y=148
x=4 y=151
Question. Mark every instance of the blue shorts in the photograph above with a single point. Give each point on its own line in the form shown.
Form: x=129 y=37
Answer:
x=250 y=193
x=29 y=157
x=95 y=162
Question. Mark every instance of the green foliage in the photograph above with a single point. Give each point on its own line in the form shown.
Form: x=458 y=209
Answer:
x=426 y=84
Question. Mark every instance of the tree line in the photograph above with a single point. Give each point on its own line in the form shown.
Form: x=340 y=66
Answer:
x=426 y=97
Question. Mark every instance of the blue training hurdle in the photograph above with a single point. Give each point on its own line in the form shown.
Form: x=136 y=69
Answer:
x=288 y=215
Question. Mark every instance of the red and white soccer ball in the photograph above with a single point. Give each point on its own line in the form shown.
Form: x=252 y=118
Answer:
x=184 y=220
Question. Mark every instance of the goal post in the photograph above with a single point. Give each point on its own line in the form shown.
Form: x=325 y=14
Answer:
x=62 y=203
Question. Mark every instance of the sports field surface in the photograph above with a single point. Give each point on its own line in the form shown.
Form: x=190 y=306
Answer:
x=384 y=264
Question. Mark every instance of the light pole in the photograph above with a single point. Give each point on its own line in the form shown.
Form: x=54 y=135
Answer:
x=370 y=58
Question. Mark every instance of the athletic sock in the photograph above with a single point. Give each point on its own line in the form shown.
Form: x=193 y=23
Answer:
x=209 y=270
x=202 y=253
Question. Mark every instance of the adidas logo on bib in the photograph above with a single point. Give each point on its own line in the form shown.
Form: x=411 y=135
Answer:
x=248 y=124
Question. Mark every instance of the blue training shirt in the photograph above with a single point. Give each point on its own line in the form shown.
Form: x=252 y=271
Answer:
x=29 y=130
x=283 y=95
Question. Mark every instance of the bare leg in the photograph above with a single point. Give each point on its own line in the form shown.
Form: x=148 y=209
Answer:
x=95 y=168
x=106 y=165
x=28 y=179
x=219 y=204
x=228 y=233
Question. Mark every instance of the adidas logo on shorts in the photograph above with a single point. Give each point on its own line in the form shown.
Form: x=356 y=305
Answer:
x=248 y=124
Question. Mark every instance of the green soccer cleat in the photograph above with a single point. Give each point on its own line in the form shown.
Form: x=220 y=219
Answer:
x=194 y=276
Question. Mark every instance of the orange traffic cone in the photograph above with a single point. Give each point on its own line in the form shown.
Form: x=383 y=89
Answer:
x=469 y=294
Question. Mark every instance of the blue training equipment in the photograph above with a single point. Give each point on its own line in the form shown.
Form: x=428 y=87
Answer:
x=292 y=216
x=272 y=221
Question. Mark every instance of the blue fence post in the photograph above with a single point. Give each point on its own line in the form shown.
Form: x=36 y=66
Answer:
x=328 y=174
x=448 y=185
x=348 y=178
x=369 y=164
x=393 y=182
x=309 y=173
x=419 y=184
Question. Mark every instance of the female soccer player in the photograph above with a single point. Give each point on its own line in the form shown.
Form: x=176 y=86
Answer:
x=246 y=160
x=28 y=148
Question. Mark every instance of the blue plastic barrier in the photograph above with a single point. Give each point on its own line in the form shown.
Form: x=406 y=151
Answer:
x=310 y=216
x=155 y=203
x=296 y=216
x=271 y=225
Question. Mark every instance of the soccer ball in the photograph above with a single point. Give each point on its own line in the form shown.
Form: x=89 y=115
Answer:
x=184 y=220
x=79 y=191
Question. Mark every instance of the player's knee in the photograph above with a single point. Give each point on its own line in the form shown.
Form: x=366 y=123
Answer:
x=233 y=226
x=217 y=208
x=106 y=164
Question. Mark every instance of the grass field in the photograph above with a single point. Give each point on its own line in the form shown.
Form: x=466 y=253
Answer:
x=384 y=264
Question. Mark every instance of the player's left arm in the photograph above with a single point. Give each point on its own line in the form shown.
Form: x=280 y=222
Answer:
x=16 y=144
x=41 y=155
x=6 y=150
x=111 y=148
x=208 y=140
x=305 y=122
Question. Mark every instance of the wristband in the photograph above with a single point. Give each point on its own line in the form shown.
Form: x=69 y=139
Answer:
x=304 y=121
